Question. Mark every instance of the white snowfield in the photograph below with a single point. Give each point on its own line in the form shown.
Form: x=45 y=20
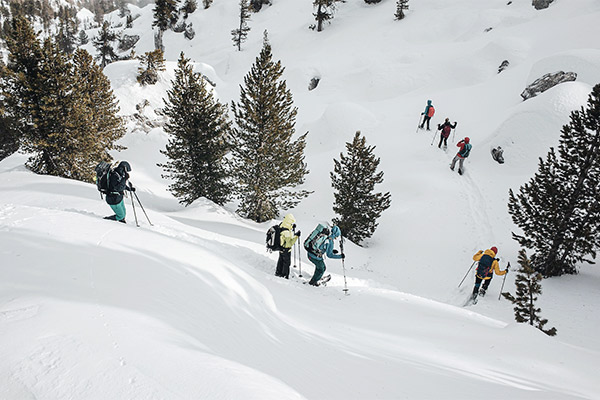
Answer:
x=189 y=307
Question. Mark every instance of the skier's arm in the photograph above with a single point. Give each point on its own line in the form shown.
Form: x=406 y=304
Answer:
x=496 y=268
x=329 y=250
x=478 y=255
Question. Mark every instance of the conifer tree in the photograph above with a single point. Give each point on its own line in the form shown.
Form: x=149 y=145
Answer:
x=325 y=9
x=165 y=14
x=354 y=178
x=189 y=7
x=199 y=139
x=401 y=5
x=268 y=163
x=83 y=38
x=150 y=64
x=103 y=43
x=129 y=21
x=528 y=288
x=241 y=33
x=63 y=108
x=558 y=210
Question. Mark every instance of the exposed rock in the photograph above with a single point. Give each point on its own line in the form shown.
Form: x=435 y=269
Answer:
x=128 y=41
x=486 y=30
x=503 y=66
x=541 y=4
x=497 y=154
x=546 y=82
x=314 y=82
x=145 y=123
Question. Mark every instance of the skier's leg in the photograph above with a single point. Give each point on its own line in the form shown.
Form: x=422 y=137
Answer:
x=286 y=256
x=319 y=270
x=119 y=210
x=441 y=141
x=477 y=284
x=487 y=282
x=453 y=162
x=279 y=269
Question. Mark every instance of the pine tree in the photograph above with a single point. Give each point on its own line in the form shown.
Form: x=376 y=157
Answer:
x=354 y=178
x=198 y=143
x=267 y=162
x=189 y=7
x=401 y=5
x=241 y=33
x=83 y=38
x=558 y=210
x=150 y=64
x=62 y=113
x=102 y=43
x=129 y=22
x=207 y=3
x=528 y=288
x=325 y=9
x=165 y=14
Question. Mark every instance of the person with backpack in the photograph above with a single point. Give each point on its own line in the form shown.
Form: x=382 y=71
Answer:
x=117 y=184
x=465 y=149
x=287 y=238
x=446 y=129
x=319 y=247
x=487 y=267
x=428 y=113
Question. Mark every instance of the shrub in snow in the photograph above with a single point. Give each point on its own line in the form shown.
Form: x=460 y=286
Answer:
x=128 y=41
x=528 y=288
x=546 y=82
x=401 y=5
x=541 y=4
x=150 y=64
x=503 y=66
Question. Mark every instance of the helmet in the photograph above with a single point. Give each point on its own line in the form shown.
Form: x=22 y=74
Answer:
x=335 y=232
x=467 y=140
x=447 y=119
x=124 y=165
x=494 y=249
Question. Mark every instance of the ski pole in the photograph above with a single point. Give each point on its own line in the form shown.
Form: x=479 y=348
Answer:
x=294 y=252
x=141 y=205
x=343 y=266
x=134 y=213
x=418 y=126
x=434 y=135
x=504 y=280
x=299 y=259
x=470 y=268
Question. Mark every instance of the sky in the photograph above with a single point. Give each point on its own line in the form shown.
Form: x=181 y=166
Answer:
x=188 y=307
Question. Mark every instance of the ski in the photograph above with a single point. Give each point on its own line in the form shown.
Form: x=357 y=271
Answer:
x=321 y=282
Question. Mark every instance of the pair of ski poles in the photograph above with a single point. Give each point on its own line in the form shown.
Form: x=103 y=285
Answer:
x=504 y=280
x=134 y=194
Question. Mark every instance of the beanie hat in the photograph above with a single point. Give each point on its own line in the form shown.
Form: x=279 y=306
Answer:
x=335 y=232
x=467 y=140
x=494 y=249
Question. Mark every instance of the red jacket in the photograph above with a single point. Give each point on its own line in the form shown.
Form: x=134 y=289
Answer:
x=462 y=150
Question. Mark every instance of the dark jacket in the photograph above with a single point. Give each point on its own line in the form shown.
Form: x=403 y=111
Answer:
x=117 y=184
x=446 y=128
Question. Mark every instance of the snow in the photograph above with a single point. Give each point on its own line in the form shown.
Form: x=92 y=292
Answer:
x=189 y=307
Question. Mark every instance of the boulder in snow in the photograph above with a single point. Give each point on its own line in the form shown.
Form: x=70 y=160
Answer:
x=546 y=82
x=541 y=4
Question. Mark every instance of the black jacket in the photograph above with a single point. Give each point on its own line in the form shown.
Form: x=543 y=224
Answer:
x=117 y=184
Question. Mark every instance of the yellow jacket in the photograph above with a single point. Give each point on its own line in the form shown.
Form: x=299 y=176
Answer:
x=495 y=266
x=287 y=237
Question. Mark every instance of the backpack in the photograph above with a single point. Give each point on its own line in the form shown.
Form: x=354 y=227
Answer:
x=274 y=238
x=431 y=111
x=464 y=153
x=315 y=240
x=446 y=129
x=485 y=265
x=102 y=177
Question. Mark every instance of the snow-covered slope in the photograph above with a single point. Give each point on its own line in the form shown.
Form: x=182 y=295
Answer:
x=189 y=307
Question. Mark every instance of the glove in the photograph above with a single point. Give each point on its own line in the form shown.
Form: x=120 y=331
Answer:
x=298 y=233
x=335 y=251
x=294 y=227
x=422 y=113
x=480 y=251
x=131 y=188
x=343 y=256
x=455 y=123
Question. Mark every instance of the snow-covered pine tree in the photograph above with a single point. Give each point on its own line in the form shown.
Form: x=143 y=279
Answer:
x=165 y=14
x=189 y=6
x=354 y=178
x=150 y=64
x=206 y=3
x=528 y=288
x=199 y=134
x=240 y=34
x=401 y=5
x=558 y=210
x=103 y=43
x=268 y=164
x=325 y=10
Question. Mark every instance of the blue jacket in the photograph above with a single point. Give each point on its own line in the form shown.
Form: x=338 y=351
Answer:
x=327 y=248
x=427 y=108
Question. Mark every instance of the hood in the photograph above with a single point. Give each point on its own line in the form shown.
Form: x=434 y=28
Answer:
x=428 y=102
x=288 y=221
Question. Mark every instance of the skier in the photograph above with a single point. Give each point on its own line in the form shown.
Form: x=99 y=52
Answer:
x=445 y=129
x=117 y=185
x=465 y=149
x=488 y=265
x=327 y=249
x=428 y=113
x=287 y=238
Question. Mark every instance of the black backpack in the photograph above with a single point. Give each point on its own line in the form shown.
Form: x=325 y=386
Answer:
x=485 y=265
x=102 y=177
x=274 y=238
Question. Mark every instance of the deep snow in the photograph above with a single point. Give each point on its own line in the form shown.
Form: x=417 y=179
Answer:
x=190 y=308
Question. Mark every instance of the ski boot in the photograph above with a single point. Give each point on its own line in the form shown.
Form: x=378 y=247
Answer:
x=482 y=292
